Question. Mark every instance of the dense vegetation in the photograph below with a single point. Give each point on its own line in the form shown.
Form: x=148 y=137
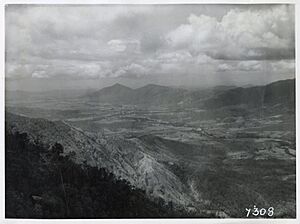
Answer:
x=41 y=183
x=260 y=184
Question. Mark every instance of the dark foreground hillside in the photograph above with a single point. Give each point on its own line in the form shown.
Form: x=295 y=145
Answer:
x=40 y=183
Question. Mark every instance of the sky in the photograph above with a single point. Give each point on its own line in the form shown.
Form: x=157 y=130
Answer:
x=52 y=47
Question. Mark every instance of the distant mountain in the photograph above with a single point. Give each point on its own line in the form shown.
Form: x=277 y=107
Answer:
x=113 y=94
x=220 y=96
x=158 y=95
x=280 y=92
x=148 y=95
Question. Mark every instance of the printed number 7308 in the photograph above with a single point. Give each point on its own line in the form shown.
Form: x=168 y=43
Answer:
x=260 y=212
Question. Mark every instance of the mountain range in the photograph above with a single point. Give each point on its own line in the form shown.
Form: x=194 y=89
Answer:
x=156 y=95
x=280 y=92
x=147 y=95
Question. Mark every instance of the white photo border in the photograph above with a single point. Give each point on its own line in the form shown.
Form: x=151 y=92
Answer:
x=149 y=220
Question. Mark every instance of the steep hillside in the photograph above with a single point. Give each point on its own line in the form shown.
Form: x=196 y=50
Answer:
x=124 y=158
x=40 y=183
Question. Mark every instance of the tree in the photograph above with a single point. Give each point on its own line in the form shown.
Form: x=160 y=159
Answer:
x=57 y=149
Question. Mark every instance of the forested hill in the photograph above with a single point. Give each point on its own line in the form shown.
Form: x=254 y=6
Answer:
x=40 y=183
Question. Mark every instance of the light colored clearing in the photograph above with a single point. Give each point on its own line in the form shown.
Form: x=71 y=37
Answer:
x=81 y=119
x=239 y=155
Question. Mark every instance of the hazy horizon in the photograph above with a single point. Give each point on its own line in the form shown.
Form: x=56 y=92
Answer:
x=137 y=87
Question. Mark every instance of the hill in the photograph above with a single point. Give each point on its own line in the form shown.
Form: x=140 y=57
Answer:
x=280 y=92
x=125 y=158
x=112 y=94
x=41 y=183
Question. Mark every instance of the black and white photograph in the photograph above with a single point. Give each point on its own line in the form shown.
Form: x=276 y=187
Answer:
x=150 y=111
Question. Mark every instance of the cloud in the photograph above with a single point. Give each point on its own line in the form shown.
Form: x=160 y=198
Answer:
x=250 y=66
x=124 y=45
x=117 y=45
x=239 y=35
x=67 y=32
x=182 y=56
x=284 y=66
x=15 y=70
x=224 y=67
x=245 y=66
x=130 y=71
x=60 y=69
x=39 y=74
x=204 y=59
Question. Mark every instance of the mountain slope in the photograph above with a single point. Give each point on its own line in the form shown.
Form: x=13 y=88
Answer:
x=158 y=95
x=124 y=158
x=112 y=94
x=280 y=92
x=40 y=183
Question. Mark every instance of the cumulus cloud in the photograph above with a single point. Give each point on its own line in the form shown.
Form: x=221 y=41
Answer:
x=240 y=34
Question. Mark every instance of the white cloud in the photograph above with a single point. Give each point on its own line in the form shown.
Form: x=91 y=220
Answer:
x=58 y=68
x=240 y=34
x=224 y=67
x=246 y=66
x=131 y=71
x=119 y=45
x=284 y=66
x=204 y=59
x=249 y=65
x=175 y=57
x=39 y=74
